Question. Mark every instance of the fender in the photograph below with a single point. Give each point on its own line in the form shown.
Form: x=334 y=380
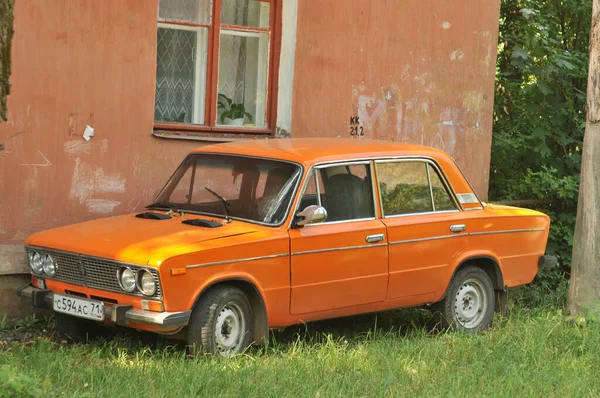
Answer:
x=220 y=278
x=464 y=257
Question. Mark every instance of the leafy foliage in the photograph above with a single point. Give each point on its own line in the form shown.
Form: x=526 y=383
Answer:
x=540 y=112
x=232 y=110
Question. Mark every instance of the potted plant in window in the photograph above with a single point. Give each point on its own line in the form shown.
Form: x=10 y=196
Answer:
x=232 y=113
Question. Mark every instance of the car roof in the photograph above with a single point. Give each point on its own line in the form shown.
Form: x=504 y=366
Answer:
x=318 y=150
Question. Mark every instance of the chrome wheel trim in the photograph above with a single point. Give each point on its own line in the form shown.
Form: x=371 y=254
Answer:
x=229 y=330
x=470 y=303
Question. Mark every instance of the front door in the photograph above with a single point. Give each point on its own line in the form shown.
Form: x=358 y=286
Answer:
x=344 y=261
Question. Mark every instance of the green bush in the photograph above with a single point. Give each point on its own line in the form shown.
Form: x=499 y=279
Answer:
x=540 y=117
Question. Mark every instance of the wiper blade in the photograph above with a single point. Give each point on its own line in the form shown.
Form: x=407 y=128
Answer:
x=223 y=201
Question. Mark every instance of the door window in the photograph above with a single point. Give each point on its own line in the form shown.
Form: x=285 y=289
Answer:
x=411 y=187
x=345 y=191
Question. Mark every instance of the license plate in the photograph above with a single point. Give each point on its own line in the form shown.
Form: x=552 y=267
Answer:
x=81 y=308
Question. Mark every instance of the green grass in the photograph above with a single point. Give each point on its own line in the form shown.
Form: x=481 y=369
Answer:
x=529 y=353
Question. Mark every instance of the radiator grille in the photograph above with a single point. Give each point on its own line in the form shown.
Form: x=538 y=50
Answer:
x=94 y=272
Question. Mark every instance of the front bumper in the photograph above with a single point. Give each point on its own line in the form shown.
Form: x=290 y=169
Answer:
x=117 y=314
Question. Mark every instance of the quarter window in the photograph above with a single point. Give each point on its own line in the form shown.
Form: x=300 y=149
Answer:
x=411 y=187
x=212 y=65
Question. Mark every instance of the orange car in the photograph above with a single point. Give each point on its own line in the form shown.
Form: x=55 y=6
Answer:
x=264 y=234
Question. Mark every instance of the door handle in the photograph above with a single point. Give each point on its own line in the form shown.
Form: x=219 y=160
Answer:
x=458 y=228
x=375 y=238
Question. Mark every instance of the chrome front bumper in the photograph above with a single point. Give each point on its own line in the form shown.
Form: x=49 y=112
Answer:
x=118 y=314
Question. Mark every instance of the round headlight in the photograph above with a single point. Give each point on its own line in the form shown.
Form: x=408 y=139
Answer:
x=36 y=262
x=49 y=265
x=146 y=283
x=126 y=279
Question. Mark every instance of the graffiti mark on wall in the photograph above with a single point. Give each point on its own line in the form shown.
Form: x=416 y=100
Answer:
x=45 y=162
x=88 y=182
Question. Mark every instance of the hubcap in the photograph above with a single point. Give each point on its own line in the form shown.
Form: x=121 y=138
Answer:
x=229 y=330
x=470 y=303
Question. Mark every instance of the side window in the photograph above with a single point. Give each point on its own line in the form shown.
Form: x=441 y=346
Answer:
x=404 y=188
x=441 y=197
x=346 y=192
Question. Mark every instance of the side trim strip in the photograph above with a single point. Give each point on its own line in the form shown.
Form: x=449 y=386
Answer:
x=237 y=260
x=508 y=231
x=399 y=242
x=339 y=249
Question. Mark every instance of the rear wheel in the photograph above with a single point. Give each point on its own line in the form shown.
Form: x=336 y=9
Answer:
x=221 y=323
x=469 y=302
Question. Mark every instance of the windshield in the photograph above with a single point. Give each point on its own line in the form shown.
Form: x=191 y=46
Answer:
x=258 y=190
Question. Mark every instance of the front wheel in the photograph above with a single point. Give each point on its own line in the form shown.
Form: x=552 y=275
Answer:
x=221 y=322
x=469 y=302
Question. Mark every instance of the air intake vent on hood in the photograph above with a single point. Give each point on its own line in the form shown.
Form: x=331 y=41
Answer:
x=153 y=216
x=198 y=222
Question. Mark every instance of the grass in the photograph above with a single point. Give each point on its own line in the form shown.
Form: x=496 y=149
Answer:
x=529 y=353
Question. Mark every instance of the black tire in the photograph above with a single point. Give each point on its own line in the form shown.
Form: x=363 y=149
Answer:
x=72 y=328
x=221 y=323
x=469 y=302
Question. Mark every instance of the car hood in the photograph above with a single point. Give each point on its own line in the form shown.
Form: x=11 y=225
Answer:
x=133 y=240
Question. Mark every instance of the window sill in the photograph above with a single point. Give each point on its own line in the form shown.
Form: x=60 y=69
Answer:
x=208 y=134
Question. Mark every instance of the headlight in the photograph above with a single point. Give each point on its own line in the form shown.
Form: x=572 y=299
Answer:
x=36 y=262
x=146 y=282
x=126 y=278
x=48 y=264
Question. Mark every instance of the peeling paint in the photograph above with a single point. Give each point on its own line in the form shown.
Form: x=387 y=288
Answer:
x=446 y=25
x=102 y=206
x=87 y=181
x=457 y=55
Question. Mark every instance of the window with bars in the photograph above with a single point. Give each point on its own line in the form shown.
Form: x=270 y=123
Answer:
x=213 y=64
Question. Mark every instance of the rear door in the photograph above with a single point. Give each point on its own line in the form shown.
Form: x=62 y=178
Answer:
x=425 y=227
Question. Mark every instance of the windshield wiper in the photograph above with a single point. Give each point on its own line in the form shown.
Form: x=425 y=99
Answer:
x=223 y=201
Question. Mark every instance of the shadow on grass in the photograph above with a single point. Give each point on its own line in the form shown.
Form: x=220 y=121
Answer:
x=353 y=329
x=399 y=322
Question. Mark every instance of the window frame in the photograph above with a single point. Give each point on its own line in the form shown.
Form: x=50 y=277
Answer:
x=296 y=189
x=429 y=163
x=212 y=73
x=319 y=166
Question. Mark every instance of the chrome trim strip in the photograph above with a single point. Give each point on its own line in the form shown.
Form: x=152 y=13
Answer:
x=508 y=231
x=318 y=190
x=342 y=163
x=473 y=208
x=427 y=166
x=237 y=260
x=338 y=249
x=422 y=214
x=399 y=242
x=340 y=222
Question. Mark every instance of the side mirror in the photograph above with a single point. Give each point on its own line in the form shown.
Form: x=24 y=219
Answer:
x=311 y=215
